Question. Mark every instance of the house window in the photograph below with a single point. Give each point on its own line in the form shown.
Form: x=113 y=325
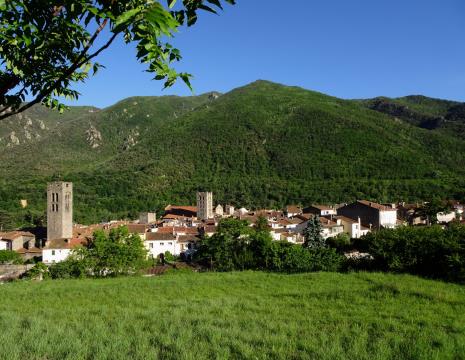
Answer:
x=161 y=244
x=151 y=246
x=170 y=243
x=53 y=252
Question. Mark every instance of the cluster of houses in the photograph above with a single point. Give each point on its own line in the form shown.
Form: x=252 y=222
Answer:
x=180 y=227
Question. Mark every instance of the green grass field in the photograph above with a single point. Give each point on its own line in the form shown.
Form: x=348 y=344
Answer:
x=234 y=315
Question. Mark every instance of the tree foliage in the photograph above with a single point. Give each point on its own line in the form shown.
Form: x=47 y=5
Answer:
x=430 y=210
x=118 y=253
x=426 y=251
x=113 y=254
x=10 y=257
x=237 y=246
x=47 y=46
x=313 y=239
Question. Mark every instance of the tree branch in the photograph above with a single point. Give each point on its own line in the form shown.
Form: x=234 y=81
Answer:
x=44 y=93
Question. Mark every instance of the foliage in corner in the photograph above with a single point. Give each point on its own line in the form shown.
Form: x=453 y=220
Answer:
x=10 y=257
x=47 y=46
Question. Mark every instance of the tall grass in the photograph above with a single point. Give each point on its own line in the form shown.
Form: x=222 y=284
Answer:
x=234 y=315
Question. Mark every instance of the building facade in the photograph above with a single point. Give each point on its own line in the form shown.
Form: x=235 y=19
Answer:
x=205 y=205
x=59 y=210
x=371 y=214
x=147 y=217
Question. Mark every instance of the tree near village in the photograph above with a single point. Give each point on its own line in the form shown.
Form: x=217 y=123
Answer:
x=47 y=46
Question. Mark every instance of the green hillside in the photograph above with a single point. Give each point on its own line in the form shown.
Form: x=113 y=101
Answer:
x=433 y=114
x=234 y=316
x=260 y=145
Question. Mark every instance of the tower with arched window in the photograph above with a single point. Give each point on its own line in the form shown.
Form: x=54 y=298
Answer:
x=59 y=210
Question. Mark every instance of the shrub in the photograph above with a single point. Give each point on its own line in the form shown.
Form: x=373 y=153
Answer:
x=10 y=257
x=326 y=259
x=169 y=257
x=38 y=272
x=341 y=242
x=70 y=268
x=290 y=258
x=426 y=251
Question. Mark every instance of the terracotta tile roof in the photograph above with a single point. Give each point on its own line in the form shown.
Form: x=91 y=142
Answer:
x=304 y=217
x=346 y=219
x=210 y=228
x=284 y=222
x=177 y=229
x=181 y=208
x=279 y=231
x=375 y=205
x=295 y=220
x=165 y=230
x=15 y=234
x=293 y=209
x=32 y=250
x=157 y=236
x=188 y=238
x=325 y=222
x=87 y=231
x=172 y=217
x=65 y=243
x=138 y=228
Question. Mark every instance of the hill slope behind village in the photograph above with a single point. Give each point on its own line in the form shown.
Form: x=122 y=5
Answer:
x=262 y=145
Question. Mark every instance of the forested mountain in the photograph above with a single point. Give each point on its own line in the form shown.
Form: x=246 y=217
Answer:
x=432 y=114
x=260 y=145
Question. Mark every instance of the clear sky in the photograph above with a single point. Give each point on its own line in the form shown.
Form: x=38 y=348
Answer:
x=344 y=48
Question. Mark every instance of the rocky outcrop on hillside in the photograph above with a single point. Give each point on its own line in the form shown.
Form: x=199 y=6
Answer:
x=93 y=137
x=403 y=112
x=132 y=139
x=13 y=139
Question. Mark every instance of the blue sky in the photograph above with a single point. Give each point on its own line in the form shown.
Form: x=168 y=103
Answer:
x=349 y=49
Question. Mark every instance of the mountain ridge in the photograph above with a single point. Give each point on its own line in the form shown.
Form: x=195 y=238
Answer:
x=263 y=144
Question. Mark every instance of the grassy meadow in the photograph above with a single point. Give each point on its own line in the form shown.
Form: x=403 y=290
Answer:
x=248 y=315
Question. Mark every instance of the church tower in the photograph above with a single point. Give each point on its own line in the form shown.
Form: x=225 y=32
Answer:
x=59 y=210
x=204 y=205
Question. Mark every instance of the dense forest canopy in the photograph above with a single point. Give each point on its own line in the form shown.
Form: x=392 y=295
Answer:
x=262 y=145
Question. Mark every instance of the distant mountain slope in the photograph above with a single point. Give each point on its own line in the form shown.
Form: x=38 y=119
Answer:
x=432 y=114
x=260 y=145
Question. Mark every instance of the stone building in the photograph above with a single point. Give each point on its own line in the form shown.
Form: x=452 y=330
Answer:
x=59 y=210
x=147 y=217
x=204 y=205
x=229 y=210
x=219 y=211
x=371 y=214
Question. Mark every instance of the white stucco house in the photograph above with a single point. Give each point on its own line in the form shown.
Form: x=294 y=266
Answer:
x=58 y=250
x=354 y=228
x=158 y=243
x=329 y=228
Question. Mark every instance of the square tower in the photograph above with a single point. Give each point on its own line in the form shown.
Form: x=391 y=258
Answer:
x=204 y=205
x=59 y=210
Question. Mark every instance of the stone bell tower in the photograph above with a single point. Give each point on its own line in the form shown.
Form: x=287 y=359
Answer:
x=59 y=210
x=205 y=205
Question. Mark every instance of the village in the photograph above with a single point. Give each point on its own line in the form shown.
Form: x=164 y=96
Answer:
x=181 y=227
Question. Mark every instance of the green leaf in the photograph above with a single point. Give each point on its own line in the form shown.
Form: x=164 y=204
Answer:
x=171 y=3
x=215 y=2
x=125 y=18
